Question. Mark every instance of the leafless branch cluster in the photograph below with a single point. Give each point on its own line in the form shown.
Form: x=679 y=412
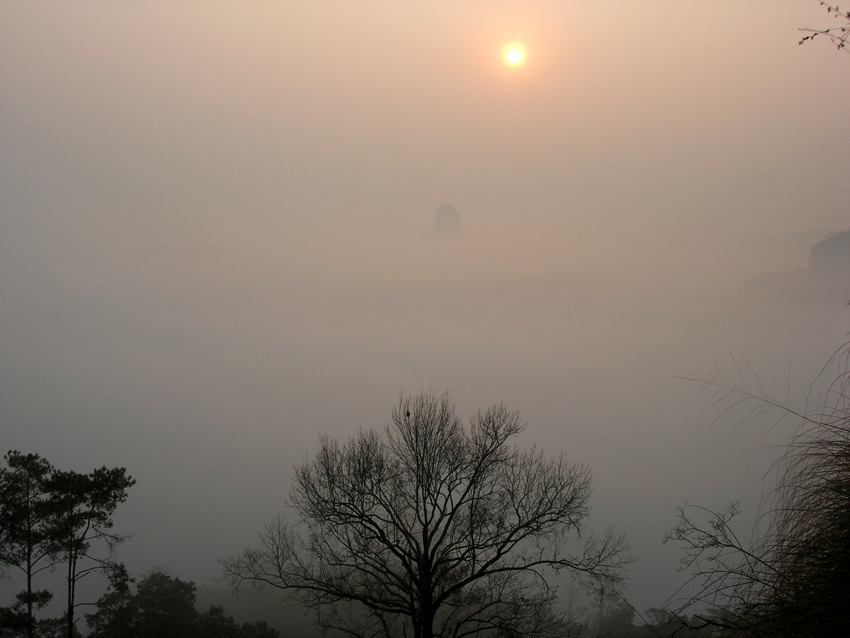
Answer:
x=431 y=529
x=838 y=35
x=791 y=575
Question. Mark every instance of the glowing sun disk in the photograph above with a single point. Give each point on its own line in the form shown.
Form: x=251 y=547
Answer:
x=514 y=54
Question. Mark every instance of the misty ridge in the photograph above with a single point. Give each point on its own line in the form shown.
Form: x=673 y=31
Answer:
x=823 y=278
x=394 y=288
x=364 y=261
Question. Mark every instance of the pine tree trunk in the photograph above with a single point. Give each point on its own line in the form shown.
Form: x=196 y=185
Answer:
x=72 y=581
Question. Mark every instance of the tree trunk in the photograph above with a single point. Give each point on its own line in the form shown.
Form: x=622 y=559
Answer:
x=30 y=617
x=427 y=620
x=72 y=581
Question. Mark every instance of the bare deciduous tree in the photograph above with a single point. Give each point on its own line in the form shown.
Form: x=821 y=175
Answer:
x=431 y=529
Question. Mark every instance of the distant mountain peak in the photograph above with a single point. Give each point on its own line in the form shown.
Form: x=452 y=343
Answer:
x=447 y=222
x=830 y=257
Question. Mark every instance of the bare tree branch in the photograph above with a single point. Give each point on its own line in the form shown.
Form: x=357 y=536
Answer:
x=837 y=35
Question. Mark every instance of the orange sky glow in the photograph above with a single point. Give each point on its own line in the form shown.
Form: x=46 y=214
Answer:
x=215 y=240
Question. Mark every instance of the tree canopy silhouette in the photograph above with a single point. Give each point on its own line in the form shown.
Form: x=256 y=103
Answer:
x=48 y=517
x=162 y=606
x=432 y=529
x=27 y=528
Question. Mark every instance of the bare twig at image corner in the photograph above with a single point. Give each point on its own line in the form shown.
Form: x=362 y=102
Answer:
x=838 y=35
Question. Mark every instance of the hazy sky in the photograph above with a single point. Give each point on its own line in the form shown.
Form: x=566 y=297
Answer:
x=215 y=242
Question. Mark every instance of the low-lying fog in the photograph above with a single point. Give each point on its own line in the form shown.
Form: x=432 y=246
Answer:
x=213 y=250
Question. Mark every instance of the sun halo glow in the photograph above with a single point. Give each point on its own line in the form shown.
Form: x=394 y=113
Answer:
x=514 y=54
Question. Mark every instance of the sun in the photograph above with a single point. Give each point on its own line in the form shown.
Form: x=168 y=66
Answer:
x=514 y=54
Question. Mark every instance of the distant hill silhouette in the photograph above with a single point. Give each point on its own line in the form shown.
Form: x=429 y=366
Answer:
x=447 y=222
x=830 y=257
x=827 y=277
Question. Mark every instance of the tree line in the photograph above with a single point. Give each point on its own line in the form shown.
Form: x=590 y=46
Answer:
x=162 y=606
x=430 y=528
x=55 y=520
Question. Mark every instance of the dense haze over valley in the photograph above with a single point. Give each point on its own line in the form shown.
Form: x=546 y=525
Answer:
x=216 y=242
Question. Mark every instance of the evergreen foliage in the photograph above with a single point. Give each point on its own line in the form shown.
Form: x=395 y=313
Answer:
x=162 y=606
x=50 y=517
